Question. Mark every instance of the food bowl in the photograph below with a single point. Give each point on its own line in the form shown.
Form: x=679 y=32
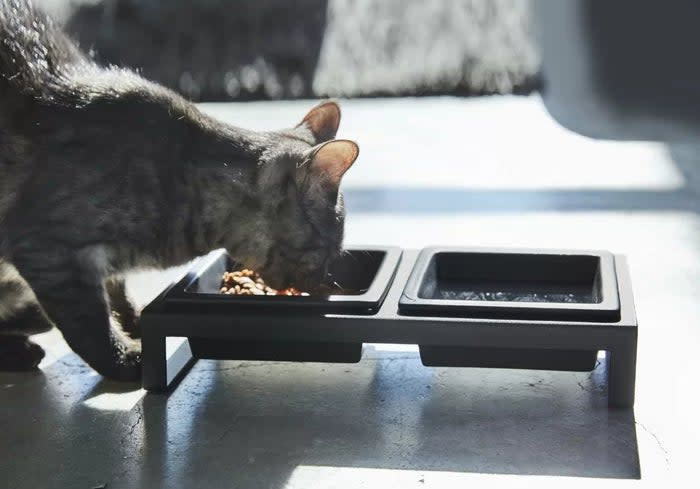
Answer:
x=512 y=285
x=357 y=283
x=463 y=307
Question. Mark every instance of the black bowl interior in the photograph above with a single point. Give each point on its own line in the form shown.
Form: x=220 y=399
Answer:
x=512 y=278
x=513 y=284
x=351 y=274
x=358 y=282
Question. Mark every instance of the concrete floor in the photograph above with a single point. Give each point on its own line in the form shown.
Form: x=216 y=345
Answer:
x=490 y=172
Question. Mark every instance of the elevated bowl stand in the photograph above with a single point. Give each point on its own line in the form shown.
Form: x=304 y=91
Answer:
x=311 y=334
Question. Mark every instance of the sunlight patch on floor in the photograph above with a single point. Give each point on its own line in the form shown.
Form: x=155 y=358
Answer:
x=489 y=143
x=319 y=477
x=108 y=401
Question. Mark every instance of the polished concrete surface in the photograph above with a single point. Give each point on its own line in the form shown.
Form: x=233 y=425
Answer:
x=487 y=172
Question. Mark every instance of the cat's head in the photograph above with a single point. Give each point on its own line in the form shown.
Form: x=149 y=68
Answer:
x=301 y=216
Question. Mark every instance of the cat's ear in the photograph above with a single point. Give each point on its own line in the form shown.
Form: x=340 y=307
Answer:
x=323 y=121
x=332 y=159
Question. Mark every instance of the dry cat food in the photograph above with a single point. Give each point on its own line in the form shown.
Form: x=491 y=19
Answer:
x=248 y=282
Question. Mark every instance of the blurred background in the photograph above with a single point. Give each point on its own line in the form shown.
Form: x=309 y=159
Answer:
x=218 y=50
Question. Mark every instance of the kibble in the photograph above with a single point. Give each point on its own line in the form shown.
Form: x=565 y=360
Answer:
x=248 y=282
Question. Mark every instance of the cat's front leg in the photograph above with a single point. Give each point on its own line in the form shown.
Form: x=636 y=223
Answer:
x=71 y=290
x=123 y=311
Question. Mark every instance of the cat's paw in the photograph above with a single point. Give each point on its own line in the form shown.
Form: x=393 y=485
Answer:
x=124 y=363
x=126 y=373
x=19 y=353
x=128 y=364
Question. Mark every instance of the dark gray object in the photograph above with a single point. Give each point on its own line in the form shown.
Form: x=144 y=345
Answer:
x=513 y=284
x=358 y=282
x=514 y=342
x=621 y=70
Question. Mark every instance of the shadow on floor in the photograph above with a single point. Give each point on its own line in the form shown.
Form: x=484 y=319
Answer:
x=426 y=200
x=262 y=422
x=416 y=201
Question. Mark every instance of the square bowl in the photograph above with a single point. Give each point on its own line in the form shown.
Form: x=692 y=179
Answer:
x=557 y=285
x=365 y=274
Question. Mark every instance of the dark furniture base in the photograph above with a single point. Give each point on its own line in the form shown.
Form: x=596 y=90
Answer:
x=281 y=351
x=517 y=358
x=444 y=341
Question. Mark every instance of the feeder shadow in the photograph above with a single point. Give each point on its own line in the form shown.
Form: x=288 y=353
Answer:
x=263 y=420
x=526 y=428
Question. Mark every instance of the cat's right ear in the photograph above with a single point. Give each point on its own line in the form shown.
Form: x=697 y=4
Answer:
x=330 y=160
x=323 y=121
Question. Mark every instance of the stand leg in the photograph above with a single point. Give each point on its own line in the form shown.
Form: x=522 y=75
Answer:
x=154 y=365
x=160 y=367
x=179 y=361
x=622 y=365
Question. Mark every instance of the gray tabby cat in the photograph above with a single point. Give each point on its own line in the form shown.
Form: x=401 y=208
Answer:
x=102 y=172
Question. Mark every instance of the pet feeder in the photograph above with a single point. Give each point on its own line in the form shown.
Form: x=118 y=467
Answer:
x=464 y=307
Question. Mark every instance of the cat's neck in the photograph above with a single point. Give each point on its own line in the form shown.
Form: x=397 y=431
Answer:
x=229 y=205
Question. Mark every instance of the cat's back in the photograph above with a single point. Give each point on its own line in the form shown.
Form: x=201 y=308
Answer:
x=35 y=57
x=35 y=54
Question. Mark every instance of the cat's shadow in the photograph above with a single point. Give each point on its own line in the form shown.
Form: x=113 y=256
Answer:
x=273 y=422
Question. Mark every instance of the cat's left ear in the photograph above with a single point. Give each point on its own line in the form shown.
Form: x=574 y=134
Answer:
x=332 y=159
x=323 y=121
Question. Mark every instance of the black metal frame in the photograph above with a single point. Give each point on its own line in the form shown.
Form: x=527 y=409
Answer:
x=163 y=319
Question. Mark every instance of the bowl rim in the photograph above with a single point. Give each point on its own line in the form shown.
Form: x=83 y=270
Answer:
x=369 y=300
x=608 y=309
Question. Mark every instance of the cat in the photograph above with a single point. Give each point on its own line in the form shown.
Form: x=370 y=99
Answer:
x=102 y=172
